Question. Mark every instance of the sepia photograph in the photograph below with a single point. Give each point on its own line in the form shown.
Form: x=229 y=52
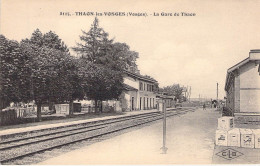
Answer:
x=129 y=82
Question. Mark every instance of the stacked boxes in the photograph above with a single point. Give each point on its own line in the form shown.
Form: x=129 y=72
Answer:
x=247 y=138
x=234 y=137
x=221 y=137
x=227 y=135
x=257 y=137
x=224 y=124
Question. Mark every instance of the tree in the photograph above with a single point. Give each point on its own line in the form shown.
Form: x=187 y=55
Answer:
x=97 y=48
x=99 y=83
x=95 y=44
x=52 y=40
x=68 y=68
x=102 y=64
x=72 y=66
x=14 y=72
x=121 y=58
x=174 y=90
x=7 y=70
x=50 y=65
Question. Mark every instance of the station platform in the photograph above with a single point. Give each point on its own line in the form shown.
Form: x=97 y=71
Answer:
x=23 y=128
x=189 y=139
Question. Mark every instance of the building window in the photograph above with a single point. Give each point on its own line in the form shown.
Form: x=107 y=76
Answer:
x=144 y=86
x=150 y=102
x=140 y=86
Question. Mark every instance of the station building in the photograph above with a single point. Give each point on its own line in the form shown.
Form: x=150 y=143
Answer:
x=139 y=92
x=243 y=88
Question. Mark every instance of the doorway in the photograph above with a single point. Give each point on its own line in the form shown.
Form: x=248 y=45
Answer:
x=140 y=103
x=133 y=99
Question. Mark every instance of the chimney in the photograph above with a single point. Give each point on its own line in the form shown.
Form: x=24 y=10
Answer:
x=254 y=55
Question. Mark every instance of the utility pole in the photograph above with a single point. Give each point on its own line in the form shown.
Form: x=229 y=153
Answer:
x=217 y=94
x=187 y=91
x=190 y=93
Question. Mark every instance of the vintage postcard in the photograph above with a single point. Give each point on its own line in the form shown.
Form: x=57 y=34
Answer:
x=119 y=82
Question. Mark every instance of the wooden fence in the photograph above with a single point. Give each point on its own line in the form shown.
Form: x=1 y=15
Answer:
x=89 y=109
x=13 y=115
x=8 y=117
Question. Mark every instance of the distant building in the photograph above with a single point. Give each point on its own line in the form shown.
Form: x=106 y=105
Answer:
x=170 y=101
x=243 y=88
x=138 y=93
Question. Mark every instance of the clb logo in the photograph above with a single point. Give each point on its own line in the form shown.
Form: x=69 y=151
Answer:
x=229 y=154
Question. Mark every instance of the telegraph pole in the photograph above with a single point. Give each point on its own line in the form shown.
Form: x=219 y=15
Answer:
x=217 y=94
x=190 y=93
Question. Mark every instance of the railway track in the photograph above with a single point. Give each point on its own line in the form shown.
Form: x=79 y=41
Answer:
x=63 y=128
x=14 y=149
x=69 y=128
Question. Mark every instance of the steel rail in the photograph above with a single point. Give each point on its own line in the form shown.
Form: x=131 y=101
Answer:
x=86 y=138
x=110 y=121
x=74 y=133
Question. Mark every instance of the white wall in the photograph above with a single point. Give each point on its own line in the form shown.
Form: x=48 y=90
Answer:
x=132 y=82
x=249 y=76
x=249 y=88
x=250 y=101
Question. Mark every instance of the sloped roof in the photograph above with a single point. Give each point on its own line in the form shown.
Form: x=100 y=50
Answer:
x=158 y=95
x=240 y=64
x=233 y=68
x=141 y=77
x=129 y=88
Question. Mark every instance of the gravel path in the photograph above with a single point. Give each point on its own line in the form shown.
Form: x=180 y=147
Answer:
x=190 y=140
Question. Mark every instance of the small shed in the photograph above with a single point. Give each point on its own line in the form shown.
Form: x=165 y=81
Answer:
x=76 y=107
x=170 y=101
x=62 y=109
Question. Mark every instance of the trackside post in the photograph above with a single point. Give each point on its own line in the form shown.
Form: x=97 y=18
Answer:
x=164 y=148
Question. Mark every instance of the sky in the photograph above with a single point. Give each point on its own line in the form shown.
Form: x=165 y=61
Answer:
x=192 y=51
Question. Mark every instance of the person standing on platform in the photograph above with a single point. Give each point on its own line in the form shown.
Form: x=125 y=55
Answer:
x=204 y=106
